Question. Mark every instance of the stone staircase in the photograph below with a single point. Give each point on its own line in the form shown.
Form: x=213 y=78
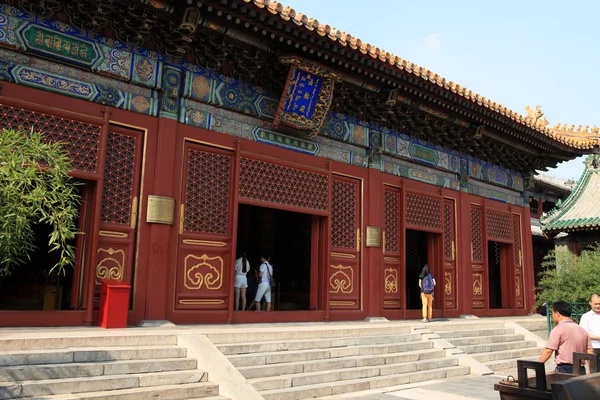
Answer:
x=490 y=343
x=301 y=364
x=128 y=367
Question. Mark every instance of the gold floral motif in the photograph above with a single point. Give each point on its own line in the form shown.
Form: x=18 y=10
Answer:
x=517 y=286
x=203 y=271
x=340 y=281
x=391 y=280
x=448 y=283
x=111 y=265
x=477 y=284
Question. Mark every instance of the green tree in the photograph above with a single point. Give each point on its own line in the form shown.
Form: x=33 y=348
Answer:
x=35 y=188
x=574 y=280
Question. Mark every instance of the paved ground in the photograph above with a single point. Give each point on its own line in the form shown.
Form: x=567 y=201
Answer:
x=468 y=387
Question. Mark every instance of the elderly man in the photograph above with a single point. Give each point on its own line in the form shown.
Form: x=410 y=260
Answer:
x=565 y=339
x=590 y=321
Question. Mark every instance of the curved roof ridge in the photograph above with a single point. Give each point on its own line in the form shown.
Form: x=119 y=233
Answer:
x=345 y=39
x=580 y=208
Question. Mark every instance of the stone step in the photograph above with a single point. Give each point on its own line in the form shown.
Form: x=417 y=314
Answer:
x=506 y=354
x=511 y=364
x=245 y=360
x=307 y=344
x=312 y=378
x=86 y=341
x=98 y=383
x=80 y=370
x=451 y=334
x=469 y=326
x=355 y=385
x=478 y=340
x=251 y=336
x=492 y=347
x=299 y=367
x=69 y=355
x=189 y=391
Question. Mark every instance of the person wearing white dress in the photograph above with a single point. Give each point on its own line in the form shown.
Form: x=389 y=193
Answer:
x=240 y=284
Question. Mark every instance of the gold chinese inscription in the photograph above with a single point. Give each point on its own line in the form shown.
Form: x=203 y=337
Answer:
x=447 y=283
x=391 y=280
x=203 y=272
x=477 y=284
x=341 y=281
x=110 y=265
x=60 y=44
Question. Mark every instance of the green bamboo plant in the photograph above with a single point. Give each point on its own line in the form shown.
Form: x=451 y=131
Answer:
x=35 y=188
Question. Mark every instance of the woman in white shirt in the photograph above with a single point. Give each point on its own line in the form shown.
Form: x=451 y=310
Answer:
x=240 y=284
x=265 y=272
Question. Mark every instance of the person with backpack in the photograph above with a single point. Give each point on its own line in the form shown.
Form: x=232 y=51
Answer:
x=427 y=285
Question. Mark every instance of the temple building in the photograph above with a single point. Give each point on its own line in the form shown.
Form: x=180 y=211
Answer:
x=575 y=222
x=201 y=129
x=546 y=192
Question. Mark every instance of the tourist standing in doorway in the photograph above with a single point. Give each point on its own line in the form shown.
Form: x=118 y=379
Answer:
x=427 y=285
x=590 y=322
x=265 y=272
x=240 y=284
x=565 y=339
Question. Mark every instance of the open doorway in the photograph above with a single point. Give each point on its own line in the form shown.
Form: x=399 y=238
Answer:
x=286 y=237
x=32 y=287
x=498 y=273
x=416 y=257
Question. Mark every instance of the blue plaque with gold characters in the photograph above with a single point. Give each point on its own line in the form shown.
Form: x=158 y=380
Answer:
x=306 y=97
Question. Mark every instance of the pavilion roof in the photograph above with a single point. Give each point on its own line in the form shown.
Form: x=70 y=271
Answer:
x=581 y=210
x=574 y=137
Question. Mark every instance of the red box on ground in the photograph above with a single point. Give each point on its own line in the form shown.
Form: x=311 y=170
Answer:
x=114 y=304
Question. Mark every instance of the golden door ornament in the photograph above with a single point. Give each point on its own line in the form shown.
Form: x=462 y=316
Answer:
x=447 y=283
x=203 y=271
x=111 y=265
x=477 y=284
x=517 y=286
x=391 y=280
x=340 y=281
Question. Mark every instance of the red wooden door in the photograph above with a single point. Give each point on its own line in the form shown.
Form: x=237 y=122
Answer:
x=392 y=271
x=345 y=262
x=449 y=237
x=115 y=257
x=478 y=272
x=518 y=262
x=204 y=226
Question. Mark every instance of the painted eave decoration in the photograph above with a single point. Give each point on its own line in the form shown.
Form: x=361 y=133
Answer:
x=581 y=210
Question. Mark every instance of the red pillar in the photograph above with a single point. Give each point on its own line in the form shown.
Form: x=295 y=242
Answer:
x=374 y=216
x=527 y=244
x=163 y=238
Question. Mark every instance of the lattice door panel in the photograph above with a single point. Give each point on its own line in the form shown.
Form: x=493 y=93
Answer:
x=478 y=272
x=345 y=269
x=80 y=139
x=119 y=209
x=518 y=261
x=203 y=260
x=499 y=226
x=392 y=273
x=423 y=211
x=449 y=237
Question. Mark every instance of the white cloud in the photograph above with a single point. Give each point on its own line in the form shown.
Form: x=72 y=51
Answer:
x=432 y=42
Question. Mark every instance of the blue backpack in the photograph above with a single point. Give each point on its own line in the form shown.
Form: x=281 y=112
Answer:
x=427 y=285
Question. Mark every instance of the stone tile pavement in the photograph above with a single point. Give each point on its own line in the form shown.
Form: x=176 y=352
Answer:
x=468 y=387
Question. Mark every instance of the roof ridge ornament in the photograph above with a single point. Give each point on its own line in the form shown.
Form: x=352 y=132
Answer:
x=534 y=117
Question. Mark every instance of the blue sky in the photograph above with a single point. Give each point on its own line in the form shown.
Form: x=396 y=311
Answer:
x=515 y=53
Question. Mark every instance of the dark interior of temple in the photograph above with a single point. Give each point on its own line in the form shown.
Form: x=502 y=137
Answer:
x=31 y=286
x=416 y=257
x=495 y=274
x=286 y=237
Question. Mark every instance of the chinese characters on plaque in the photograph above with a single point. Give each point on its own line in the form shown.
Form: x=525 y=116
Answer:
x=306 y=97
